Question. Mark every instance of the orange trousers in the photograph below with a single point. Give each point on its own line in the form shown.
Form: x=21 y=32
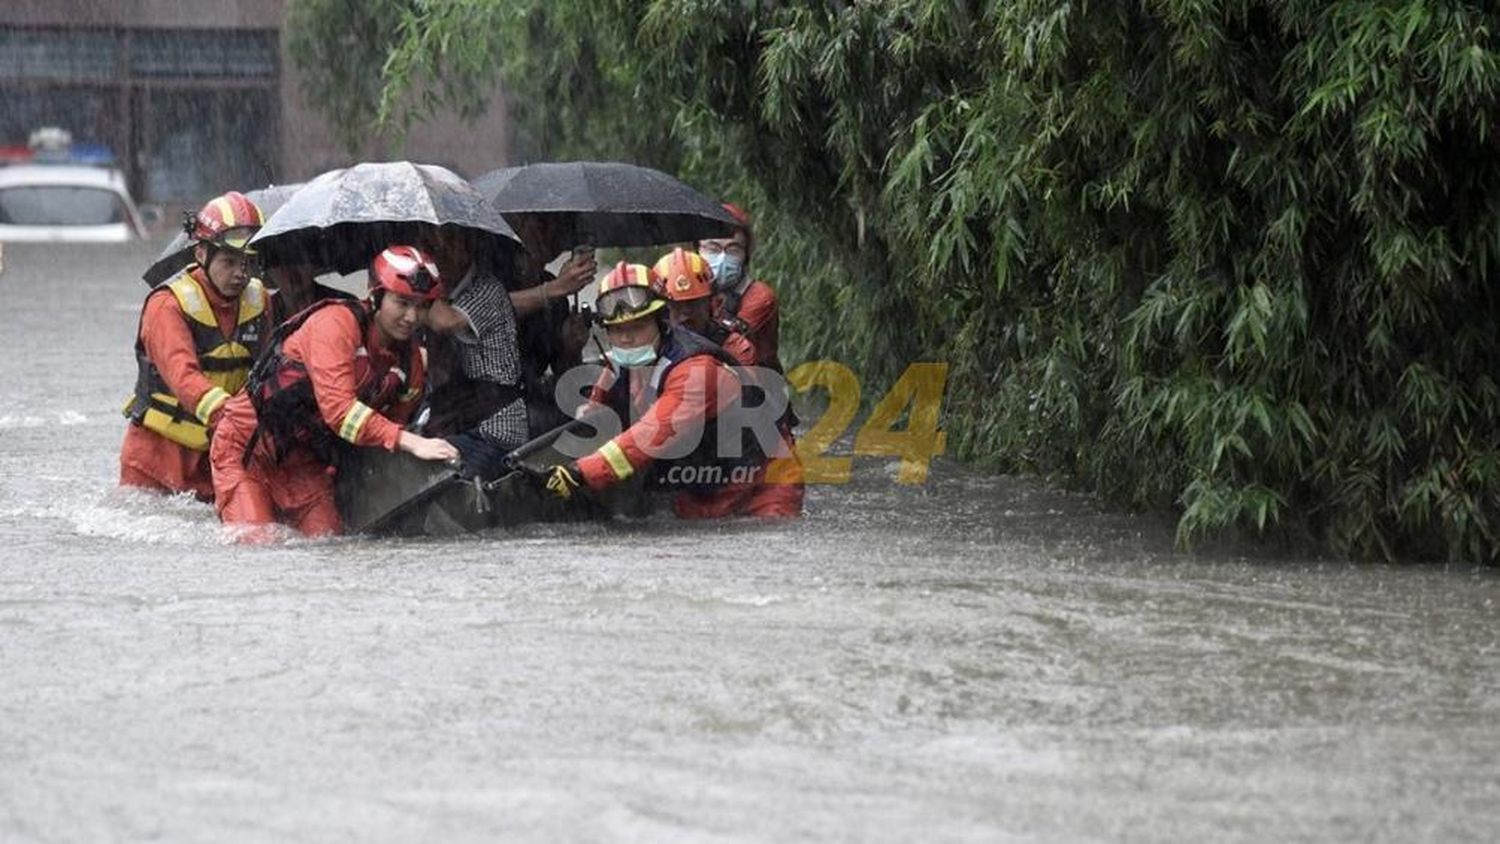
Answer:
x=298 y=491
x=761 y=500
x=776 y=493
x=150 y=461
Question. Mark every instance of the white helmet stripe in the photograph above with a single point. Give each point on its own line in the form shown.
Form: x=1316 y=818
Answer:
x=400 y=263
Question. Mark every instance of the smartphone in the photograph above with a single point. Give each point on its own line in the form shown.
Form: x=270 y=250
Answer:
x=583 y=252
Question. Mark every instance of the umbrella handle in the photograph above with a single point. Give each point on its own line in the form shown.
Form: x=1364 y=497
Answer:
x=603 y=352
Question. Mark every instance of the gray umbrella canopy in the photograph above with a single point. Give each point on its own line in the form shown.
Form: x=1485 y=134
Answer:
x=607 y=203
x=343 y=218
x=179 y=253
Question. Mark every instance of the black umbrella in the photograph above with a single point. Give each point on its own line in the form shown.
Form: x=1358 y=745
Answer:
x=179 y=253
x=607 y=203
x=343 y=218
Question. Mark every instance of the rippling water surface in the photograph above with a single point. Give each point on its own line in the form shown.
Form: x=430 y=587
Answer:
x=980 y=659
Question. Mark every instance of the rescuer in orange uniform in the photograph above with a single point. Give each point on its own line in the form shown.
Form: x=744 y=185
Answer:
x=199 y=334
x=680 y=390
x=687 y=285
x=349 y=371
x=739 y=297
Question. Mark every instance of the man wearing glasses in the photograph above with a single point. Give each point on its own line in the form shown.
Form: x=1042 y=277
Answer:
x=749 y=308
x=199 y=333
x=748 y=304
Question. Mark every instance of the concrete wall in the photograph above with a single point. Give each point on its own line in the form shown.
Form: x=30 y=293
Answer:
x=310 y=146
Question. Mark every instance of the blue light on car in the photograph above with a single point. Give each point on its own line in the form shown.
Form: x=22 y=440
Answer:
x=89 y=155
x=95 y=154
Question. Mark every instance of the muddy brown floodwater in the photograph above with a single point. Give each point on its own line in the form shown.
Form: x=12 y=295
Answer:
x=985 y=658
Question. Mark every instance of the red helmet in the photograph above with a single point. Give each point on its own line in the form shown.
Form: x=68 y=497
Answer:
x=738 y=214
x=743 y=219
x=628 y=292
x=228 y=221
x=406 y=271
x=683 y=276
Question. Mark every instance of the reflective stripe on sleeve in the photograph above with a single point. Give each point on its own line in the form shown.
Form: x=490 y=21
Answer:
x=354 y=421
x=618 y=462
x=211 y=401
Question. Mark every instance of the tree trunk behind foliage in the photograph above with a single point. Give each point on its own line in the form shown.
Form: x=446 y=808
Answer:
x=1232 y=257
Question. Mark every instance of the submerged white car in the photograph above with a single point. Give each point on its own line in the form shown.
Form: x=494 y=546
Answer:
x=66 y=203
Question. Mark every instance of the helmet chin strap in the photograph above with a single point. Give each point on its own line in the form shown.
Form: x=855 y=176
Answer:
x=209 y=251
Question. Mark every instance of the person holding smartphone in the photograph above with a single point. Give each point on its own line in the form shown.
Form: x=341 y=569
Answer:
x=550 y=332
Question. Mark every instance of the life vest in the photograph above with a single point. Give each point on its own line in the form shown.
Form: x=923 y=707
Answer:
x=225 y=362
x=286 y=408
x=681 y=345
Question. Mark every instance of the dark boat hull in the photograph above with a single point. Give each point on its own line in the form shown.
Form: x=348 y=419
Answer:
x=396 y=494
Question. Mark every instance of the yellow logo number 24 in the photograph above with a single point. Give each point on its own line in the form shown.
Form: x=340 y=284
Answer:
x=918 y=393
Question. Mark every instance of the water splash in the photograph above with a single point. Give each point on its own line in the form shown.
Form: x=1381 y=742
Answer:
x=65 y=418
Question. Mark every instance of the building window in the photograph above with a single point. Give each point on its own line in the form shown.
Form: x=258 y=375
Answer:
x=203 y=53
x=59 y=54
x=199 y=142
x=187 y=112
x=88 y=112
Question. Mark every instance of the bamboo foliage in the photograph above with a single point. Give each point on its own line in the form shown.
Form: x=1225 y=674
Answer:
x=1229 y=256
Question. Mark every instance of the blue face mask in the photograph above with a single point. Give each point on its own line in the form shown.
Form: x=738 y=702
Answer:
x=728 y=271
x=629 y=356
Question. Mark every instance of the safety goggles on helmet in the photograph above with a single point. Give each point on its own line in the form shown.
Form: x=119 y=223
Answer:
x=237 y=238
x=229 y=220
x=423 y=283
x=623 y=304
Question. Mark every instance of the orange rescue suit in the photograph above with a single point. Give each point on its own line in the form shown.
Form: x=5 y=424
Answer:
x=193 y=349
x=699 y=387
x=343 y=361
x=758 y=310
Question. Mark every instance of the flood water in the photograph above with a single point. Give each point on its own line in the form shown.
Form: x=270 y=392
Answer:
x=982 y=659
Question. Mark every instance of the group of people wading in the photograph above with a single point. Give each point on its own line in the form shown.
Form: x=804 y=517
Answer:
x=252 y=378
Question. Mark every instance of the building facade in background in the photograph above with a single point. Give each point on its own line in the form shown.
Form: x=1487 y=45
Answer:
x=191 y=104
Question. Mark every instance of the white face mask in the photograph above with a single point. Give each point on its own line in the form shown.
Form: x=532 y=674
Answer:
x=632 y=356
